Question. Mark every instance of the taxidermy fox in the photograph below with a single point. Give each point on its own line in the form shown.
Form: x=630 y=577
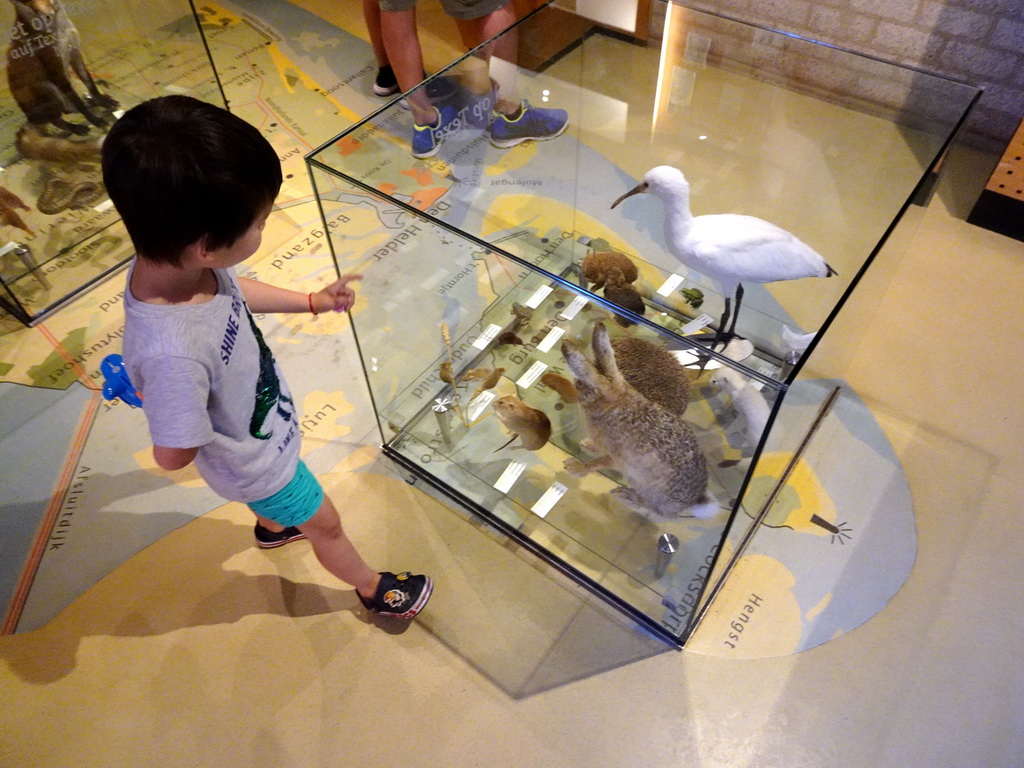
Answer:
x=44 y=51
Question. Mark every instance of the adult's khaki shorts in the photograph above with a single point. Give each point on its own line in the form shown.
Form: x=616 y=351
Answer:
x=465 y=10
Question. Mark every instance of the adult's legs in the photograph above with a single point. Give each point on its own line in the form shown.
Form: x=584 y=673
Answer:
x=402 y=45
x=500 y=55
x=371 y=15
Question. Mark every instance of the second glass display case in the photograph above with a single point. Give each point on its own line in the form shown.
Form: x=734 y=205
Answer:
x=541 y=347
x=72 y=68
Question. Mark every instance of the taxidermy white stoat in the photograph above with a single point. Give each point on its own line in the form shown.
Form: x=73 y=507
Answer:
x=747 y=400
x=44 y=50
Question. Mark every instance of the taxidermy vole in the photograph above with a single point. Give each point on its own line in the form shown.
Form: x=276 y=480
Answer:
x=616 y=273
x=44 y=50
x=529 y=424
x=602 y=266
x=626 y=296
x=654 y=372
x=654 y=449
x=746 y=399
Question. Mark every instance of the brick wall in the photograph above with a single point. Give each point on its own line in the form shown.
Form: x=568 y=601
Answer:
x=977 y=41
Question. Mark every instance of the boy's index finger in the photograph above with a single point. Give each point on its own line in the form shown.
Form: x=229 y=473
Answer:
x=345 y=279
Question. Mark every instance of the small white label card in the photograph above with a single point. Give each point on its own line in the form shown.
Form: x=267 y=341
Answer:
x=549 y=499
x=477 y=405
x=673 y=282
x=532 y=374
x=574 y=308
x=549 y=341
x=487 y=336
x=435 y=278
x=539 y=295
x=768 y=371
x=104 y=205
x=509 y=476
x=697 y=324
x=396 y=299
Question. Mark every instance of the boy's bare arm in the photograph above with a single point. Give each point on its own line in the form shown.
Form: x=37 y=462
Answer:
x=173 y=458
x=263 y=297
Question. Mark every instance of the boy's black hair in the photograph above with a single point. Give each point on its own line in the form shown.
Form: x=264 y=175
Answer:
x=179 y=169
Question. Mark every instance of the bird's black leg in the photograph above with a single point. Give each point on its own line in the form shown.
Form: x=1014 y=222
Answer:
x=735 y=315
x=718 y=335
x=723 y=323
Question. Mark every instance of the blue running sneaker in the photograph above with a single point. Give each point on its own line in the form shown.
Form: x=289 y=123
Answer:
x=532 y=124
x=426 y=139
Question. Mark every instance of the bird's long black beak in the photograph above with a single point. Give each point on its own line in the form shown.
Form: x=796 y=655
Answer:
x=637 y=190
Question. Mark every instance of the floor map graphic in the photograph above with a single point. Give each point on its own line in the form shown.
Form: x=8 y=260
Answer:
x=301 y=89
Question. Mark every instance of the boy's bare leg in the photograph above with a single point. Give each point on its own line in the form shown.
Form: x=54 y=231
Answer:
x=336 y=553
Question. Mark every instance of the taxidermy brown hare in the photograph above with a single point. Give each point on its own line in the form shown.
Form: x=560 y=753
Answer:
x=654 y=449
x=43 y=53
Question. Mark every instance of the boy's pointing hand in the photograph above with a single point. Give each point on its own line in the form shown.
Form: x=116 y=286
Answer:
x=338 y=296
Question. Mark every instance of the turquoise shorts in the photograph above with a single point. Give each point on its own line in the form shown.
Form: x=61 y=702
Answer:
x=295 y=503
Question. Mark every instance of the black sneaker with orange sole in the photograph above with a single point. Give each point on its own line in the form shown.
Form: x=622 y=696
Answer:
x=400 y=595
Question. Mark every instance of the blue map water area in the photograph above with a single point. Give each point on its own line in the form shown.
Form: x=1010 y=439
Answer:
x=874 y=506
x=36 y=427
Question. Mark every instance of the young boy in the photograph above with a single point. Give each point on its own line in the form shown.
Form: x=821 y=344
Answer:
x=194 y=185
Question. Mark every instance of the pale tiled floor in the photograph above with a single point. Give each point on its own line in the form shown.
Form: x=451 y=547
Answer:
x=172 y=662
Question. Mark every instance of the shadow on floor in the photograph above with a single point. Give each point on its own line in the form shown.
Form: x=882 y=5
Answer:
x=519 y=622
x=195 y=588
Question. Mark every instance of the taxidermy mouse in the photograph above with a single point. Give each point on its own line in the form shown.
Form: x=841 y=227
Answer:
x=44 y=49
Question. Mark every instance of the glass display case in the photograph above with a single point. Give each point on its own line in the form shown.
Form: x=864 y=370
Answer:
x=554 y=363
x=72 y=67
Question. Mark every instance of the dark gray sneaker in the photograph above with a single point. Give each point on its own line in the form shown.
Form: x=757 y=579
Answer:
x=386 y=84
x=267 y=539
x=402 y=595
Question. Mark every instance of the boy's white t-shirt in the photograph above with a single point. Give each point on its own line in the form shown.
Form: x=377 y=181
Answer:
x=208 y=380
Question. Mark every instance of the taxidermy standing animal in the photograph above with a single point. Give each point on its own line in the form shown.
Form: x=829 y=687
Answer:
x=727 y=247
x=529 y=424
x=654 y=449
x=44 y=51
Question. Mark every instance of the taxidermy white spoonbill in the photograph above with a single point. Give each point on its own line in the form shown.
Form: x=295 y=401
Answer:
x=730 y=248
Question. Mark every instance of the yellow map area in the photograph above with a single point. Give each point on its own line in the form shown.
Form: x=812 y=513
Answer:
x=756 y=615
